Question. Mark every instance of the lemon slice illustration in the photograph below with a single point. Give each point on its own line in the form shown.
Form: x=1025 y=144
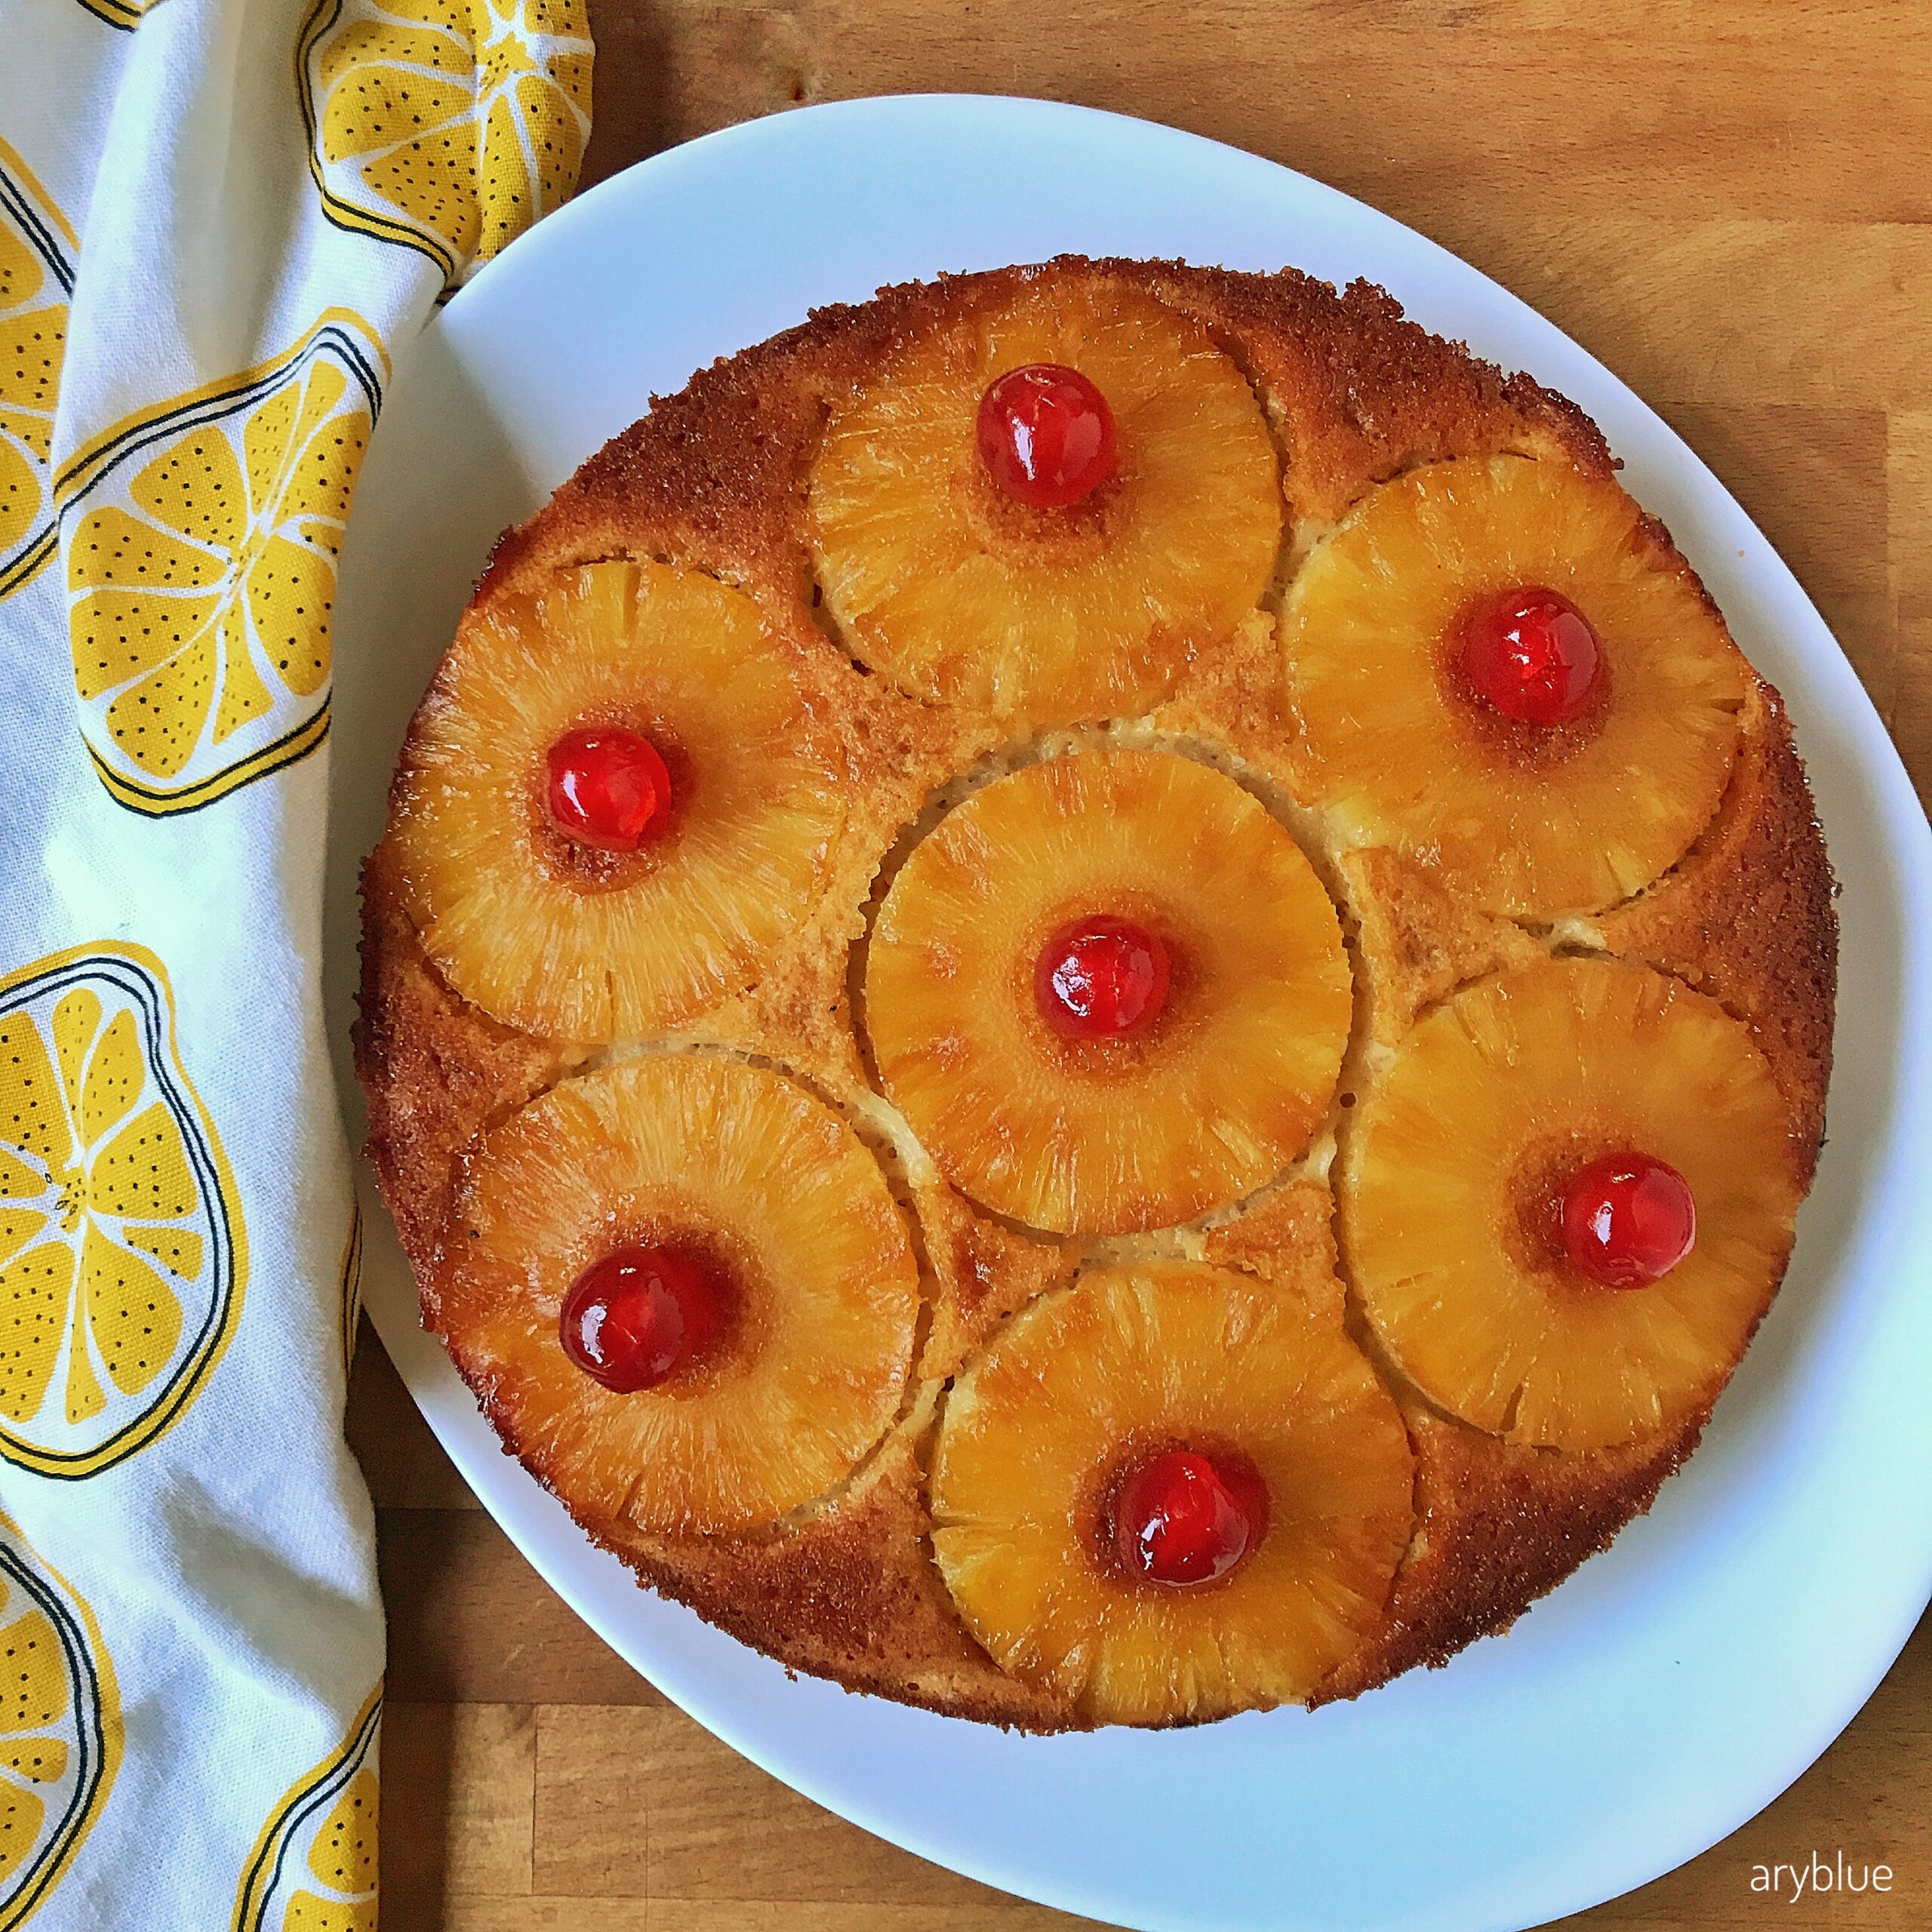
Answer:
x=201 y=567
x=60 y=1727
x=123 y=1254
x=446 y=125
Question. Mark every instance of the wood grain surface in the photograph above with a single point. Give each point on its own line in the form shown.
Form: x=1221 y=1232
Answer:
x=1731 y=204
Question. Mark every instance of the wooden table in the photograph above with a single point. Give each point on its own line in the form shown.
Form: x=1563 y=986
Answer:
x=1731 y=204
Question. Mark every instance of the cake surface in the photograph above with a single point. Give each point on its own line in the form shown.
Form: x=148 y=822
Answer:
x=1298 y=1232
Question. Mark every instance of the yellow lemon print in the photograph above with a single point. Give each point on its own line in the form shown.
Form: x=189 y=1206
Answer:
x=201 y=540
x=447 y=125
x=122 y=1256
x=313 y=1865
x=37 y=251
x=59 y=1727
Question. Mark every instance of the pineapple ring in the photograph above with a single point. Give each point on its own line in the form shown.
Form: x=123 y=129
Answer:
x=1512 y=1085
x=571 y=953
x=1525 y=824
x=1046 y=616
x=1174 y=1352
x=1102 y=1138
x=692 y=1148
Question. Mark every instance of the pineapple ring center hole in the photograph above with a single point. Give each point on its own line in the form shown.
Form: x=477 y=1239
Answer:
x=1533 y=1231
x=1128 y=1051
x=1512 y=741
x=1046 y=435
x=1065 y=537
x=734 y=1284
x=1097 y=1510
x=589 y=869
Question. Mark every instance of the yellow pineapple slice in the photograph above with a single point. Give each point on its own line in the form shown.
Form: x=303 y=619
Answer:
x=1453 y=1172
x=774 y=1194
x=962 y=596
x=1525 y=818
x=589 y=946
x=1089 y=1383
x=1099 y=1136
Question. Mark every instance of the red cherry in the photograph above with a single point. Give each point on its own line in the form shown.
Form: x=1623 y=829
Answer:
x=1532 y=654
x=606 y=788
x=1046 y=436
x=1181 y=1518
x=1099 y=978
x=1629 y=1220
x=635 y=1317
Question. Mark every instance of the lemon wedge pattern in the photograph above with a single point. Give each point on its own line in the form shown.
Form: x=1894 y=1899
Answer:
x=122 y=1255
x=201 y=540
x=313 y=1866
x=59 y=1727
x=38 y=251
x=447 y=125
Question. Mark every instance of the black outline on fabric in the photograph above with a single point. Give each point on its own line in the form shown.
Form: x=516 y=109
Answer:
x=31 y=558
x=37 y=546
x=82 y=1675
x=335 y=1776
x=16 y=202
x=352 y=1284
x=94 y=463
x=120 y=15
x=291 y=749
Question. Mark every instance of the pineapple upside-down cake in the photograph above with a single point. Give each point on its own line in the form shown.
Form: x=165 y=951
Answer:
x=1096 y=994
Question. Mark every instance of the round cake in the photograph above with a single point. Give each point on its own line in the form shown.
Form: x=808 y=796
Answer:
x=1096 y=994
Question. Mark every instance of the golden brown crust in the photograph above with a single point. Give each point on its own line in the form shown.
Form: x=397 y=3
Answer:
x=1498 y=1525
x=714 y=478
x=1417 y=943
x=1287 y=1239
x=852 y=1594
x=1747 y=916
x=436 y=1070
x=1360 y=393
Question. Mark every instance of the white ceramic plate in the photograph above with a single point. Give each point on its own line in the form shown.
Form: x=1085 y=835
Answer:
x=1675 y=1685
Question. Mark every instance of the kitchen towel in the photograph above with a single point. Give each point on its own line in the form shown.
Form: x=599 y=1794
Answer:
x=218 y=220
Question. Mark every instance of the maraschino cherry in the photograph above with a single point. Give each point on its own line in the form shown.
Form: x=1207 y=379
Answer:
x=608 y=787
x=1182 y=1517
x=636 y=1316
x=1627 y=1220
x=1099 y=978
x=1531 y=654
x=1046 y=436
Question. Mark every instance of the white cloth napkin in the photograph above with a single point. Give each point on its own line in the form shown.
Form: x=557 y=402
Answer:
x=216 y=216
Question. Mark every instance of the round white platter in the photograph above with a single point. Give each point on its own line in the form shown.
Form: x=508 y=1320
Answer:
x=1676 y=1684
